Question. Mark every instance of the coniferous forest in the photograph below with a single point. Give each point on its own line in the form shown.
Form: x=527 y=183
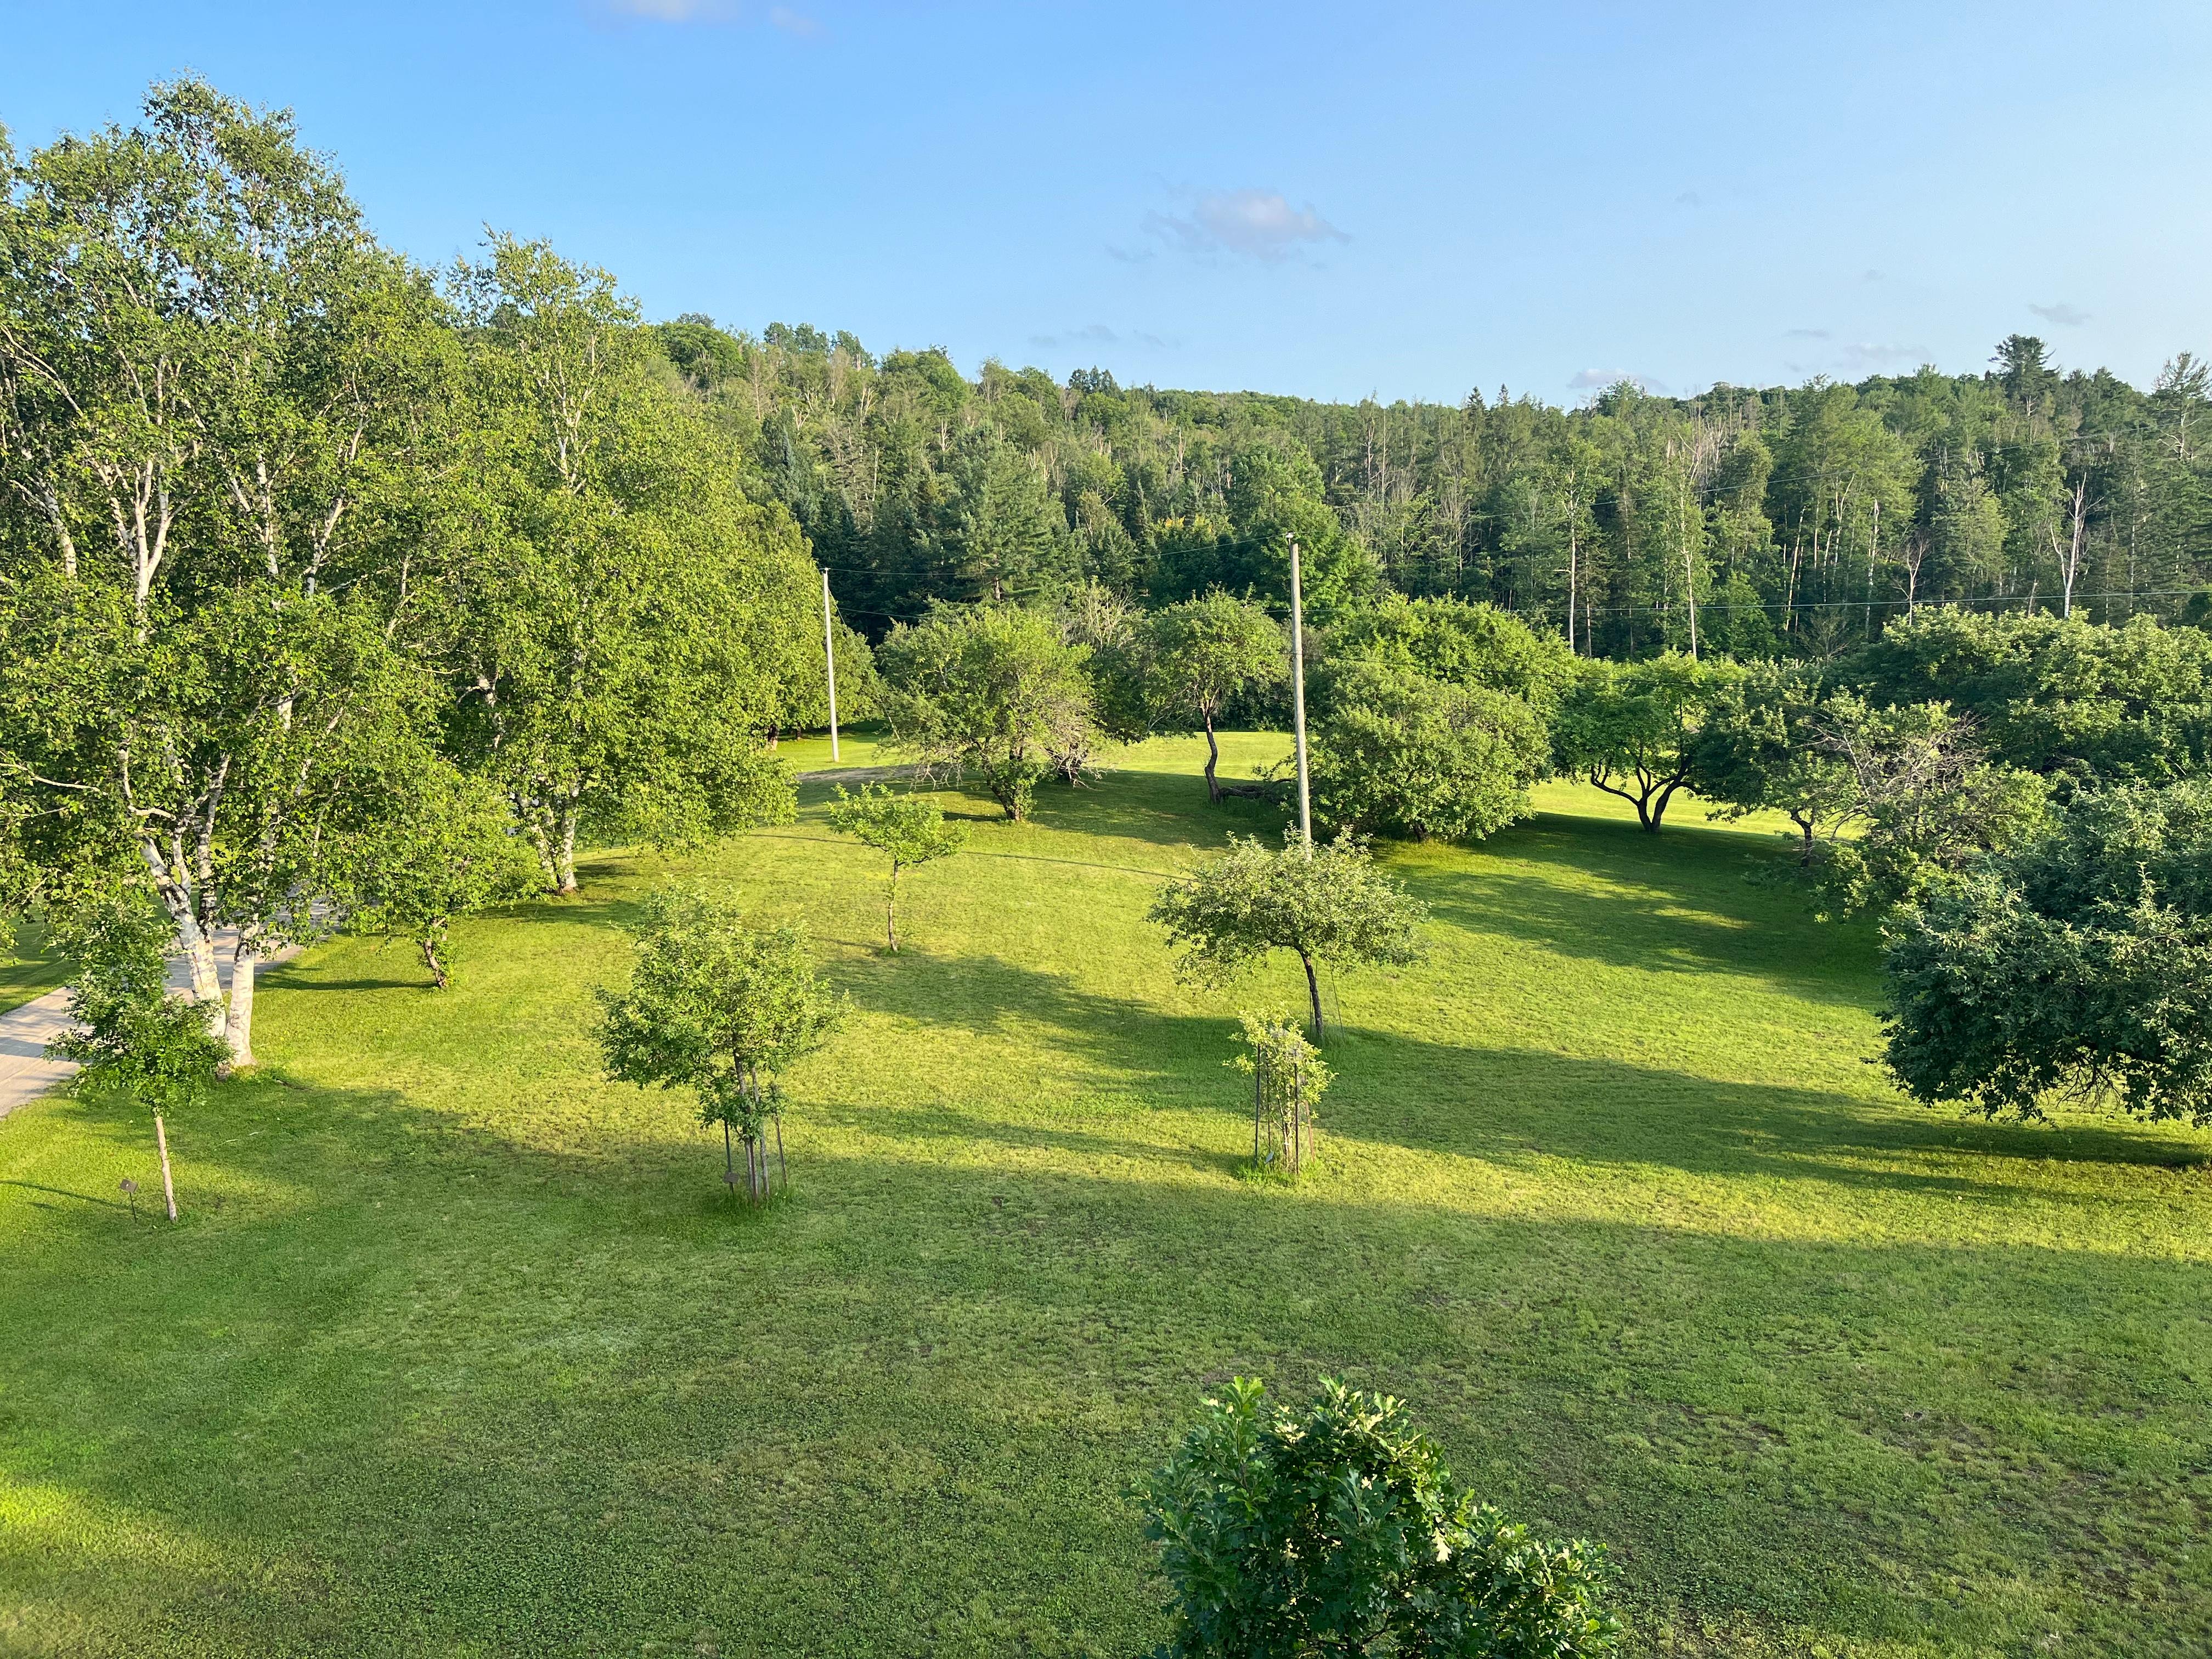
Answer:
x=1783 y=520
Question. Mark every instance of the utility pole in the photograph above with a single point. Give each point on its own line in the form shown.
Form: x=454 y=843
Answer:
x=830 y=664
x=1298 y=699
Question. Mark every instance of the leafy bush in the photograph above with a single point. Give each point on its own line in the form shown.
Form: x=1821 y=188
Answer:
x=1340 y=1531
x=2079 y=965
x=1398 y=753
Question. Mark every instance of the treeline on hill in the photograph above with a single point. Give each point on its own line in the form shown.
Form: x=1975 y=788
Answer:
x=1782 y=521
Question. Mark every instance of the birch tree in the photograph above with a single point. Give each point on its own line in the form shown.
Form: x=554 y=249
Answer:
x=203 y=359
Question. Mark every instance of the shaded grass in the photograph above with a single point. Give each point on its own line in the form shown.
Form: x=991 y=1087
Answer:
x=460 y=1350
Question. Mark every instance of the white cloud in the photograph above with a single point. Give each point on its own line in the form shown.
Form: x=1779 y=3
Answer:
x=1603 y=379
x=2063 y=315
x=1256 y=224
x=1807 y=334
x=1868 y=355
x=1098 y=334
x=792 y=22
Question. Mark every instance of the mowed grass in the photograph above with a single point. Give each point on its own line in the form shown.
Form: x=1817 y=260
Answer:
x=459 y=1349
x=28 y=968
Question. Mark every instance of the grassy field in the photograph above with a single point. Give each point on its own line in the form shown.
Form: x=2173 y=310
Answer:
x=25 y=969
x=460 y=1350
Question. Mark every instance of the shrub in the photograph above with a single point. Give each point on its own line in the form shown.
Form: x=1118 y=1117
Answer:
x=2079 y=965
x=1339 y=1530
x=1398 y=753
x=713 y=1004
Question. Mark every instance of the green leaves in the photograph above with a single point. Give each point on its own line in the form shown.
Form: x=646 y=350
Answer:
x=908 y=828
x=712 y=1000
x=1398 y=753
x=991 y=690
x=2078 y=964
x=131 y=1037
x=1630 y=727
x=1339 y=1530
x=1330 y=905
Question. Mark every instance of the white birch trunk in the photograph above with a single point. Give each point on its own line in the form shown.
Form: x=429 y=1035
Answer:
x=239 y=1028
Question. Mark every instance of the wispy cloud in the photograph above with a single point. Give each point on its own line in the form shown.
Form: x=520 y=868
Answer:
x=1089 y=334
x=705 y=11
x=1603 y=379
x=2063 y=315
x=1807 y=334
x=1098 y=334
x=1689 y=198
x=1251 y=224
x=1868 y=355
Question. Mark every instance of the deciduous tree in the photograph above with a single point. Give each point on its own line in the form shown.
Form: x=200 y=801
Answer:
x=909 y=829
x=2077 y=965
x=1330 y=906
x=986 y=688
x=714 y=1003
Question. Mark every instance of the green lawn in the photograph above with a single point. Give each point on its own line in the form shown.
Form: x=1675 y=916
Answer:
x=460 y=1350
x=25 y=969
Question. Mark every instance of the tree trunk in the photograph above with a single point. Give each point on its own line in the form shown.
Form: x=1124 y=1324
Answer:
x=890 y=910
x=566 y=866
x=1212 y=760
x=192 y=942
x=239 y=1029
x=1313 y=993
x=168 y=1186
x=430 y=960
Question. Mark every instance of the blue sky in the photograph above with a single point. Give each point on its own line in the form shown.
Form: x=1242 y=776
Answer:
x=1322 y=199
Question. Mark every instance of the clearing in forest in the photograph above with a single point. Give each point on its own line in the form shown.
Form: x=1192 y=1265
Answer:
x=460 y=1348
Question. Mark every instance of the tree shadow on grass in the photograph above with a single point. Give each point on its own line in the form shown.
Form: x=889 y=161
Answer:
x=479 y=1391
x=1513 y=1107
x=1611 y=894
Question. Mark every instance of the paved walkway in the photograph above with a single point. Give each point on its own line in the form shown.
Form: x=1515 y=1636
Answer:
x=25 y=1073
x=25 y=1070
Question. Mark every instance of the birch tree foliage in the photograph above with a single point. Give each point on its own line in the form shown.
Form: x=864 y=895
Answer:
x=205 y=365
x=629 y=623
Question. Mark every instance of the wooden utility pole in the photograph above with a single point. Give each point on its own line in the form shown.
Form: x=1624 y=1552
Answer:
x=830 y=664
x=1298 y=699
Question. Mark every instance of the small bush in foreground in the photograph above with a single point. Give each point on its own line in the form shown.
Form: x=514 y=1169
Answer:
x=1338 y=1530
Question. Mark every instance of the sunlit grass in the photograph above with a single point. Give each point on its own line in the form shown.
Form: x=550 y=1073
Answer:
x=461 y=1348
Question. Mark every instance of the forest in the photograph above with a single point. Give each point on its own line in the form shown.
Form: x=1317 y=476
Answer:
x=1786 y=520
